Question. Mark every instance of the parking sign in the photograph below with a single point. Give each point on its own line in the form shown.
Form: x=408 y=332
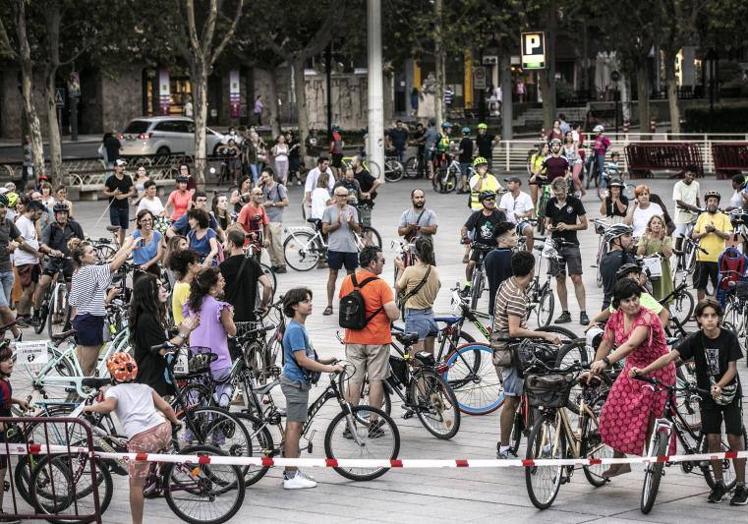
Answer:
x=533 y=50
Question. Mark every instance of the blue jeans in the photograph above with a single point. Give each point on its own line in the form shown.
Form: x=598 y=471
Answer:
x=421 y=321
x=6 y=287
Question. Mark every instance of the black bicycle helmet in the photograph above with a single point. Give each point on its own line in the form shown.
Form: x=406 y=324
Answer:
x=617 y=231
x=625 y=269
x=60 y=207
x=616 y=182
x=483 y=195
x=181 y=179
x=712 y=193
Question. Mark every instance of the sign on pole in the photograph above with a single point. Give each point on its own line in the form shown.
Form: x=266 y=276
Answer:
x=60 y=97
x=479 y=77
x=533 y=50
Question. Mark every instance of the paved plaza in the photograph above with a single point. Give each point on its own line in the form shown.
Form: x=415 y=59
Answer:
x=444 y=495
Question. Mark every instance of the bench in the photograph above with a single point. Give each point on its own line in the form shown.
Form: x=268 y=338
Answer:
x=642 y=158
x=730 y=158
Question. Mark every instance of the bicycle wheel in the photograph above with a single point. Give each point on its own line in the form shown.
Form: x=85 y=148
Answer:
x=450 y=181
x=591 y=446
x=375 y=169
x=435 y=404
x=476 y=289
x=682 y=306
x=653 y=473
x=59 y=311
x=371 y=236
x=64 y=482
x=214 y=426
x=726 y=465
x=26 y=373
x=546 y=305
x=300 y=251
x=543 y=482
x=412 y=166
x=473 y=379
x=262 y=443
x=205 y=493
x=437 y=181
x=194 y=396
x=365 y=433
x=393 y=170
x=572 y=351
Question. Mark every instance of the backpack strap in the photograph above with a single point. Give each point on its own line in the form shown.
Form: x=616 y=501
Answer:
x=356 y=285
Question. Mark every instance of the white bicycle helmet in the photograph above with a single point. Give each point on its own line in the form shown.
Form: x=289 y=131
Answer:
x=616 y=231
x=598 y=129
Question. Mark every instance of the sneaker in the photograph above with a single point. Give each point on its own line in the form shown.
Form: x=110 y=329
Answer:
x=583 y=318
x=298 y=481
x=504 y=454
x=564 y=318
x=718 y=491
x=740 y=497
x=281 y=269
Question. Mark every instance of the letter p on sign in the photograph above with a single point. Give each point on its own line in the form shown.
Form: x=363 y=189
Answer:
x=533 y=50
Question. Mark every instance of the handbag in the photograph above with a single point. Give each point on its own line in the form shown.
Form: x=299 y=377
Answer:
x=402 y=299
x=653 y=266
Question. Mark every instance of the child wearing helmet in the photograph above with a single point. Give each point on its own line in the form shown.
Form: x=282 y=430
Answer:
x=141 y=412
x=481 y=181
x=465 y=157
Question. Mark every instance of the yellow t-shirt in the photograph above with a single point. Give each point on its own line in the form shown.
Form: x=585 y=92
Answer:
x=178 y=299
x=489 y=184
x=711 y=243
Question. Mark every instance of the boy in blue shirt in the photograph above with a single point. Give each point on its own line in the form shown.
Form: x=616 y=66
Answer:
x=300 y=363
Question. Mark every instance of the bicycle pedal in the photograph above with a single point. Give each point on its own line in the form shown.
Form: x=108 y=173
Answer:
x=408 y=414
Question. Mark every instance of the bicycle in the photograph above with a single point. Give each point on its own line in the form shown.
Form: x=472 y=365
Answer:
x=542 y=301
x=260 y=350
x=446 y=175
x=305 y=246
x=354 y=432
x=478 y=281
x=394 y=170
x=686 y=257
x=415 y=167
x=680 y=304
x=369 y=165
x=735 y=317
x=690 y=437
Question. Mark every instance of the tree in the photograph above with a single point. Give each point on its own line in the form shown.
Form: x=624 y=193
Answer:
x=20 y=52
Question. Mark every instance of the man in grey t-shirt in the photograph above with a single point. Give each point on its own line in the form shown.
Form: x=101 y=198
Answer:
x=339 y=223
x=276 y=199
x=418 y=221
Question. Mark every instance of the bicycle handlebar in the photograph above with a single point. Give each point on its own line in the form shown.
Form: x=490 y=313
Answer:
x=673 y=388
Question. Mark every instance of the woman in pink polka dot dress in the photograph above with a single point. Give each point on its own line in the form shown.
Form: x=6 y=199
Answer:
x=637 y=335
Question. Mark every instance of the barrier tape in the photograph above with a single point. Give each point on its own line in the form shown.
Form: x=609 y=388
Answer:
x=38 y=449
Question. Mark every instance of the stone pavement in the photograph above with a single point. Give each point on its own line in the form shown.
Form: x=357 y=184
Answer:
x=445 y=495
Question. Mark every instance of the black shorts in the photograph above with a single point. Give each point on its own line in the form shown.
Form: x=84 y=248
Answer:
x=338 y=259
x=713 y=414
x=89 y=330
x=55 y=265
x=704 y=272
x=571 y=261
x=119 y=216
x=337 y=161
x=477 y=254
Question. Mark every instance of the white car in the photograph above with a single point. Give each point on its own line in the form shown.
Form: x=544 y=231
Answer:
x=165 y=135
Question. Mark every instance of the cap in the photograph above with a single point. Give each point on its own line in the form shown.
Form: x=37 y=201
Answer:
x=120 y=162
x=513 y=179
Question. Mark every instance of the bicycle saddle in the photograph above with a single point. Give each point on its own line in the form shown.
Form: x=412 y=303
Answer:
x=59 y=337
x=113 y=229
x=264 y=390
x=407 y=339
x=96 y=383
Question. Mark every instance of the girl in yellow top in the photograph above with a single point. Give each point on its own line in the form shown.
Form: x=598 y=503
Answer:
x=185 y=264
x=535 y=165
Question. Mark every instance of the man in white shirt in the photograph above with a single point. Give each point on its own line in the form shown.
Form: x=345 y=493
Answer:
x=323 y=166
x=26 y=263
x=517 y=206
x=686 y=198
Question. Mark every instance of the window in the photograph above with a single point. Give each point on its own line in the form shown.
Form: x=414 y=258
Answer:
x=137 y=126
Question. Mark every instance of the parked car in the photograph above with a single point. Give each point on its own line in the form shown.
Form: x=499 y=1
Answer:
x=164 y=135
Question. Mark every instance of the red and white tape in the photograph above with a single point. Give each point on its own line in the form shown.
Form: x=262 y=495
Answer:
x=20 y=449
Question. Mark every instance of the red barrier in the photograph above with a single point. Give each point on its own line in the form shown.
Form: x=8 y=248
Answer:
x=730 y=158
x=644 y=157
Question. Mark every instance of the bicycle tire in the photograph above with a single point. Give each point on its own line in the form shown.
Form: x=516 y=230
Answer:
x=436 y=180
x=306 y=254
x=375 y=239
x=227 y=478
x=591 y=446
x=214 y=426
x=262 y=443
x=267 y=270
x=393 y=170
x=727 y=464
x=653 y=474
x=44 y=310
x=566 y=334
x=60 y=302
x=545 y=308
x=195 y=395
x=476 y=288
x=56 y=500
x=435 y=404
x=360 y=419
x=450 y=181
x=411 y=167
x=490 y=397
x=682 y=307
x=543 y=431
x=374 y=169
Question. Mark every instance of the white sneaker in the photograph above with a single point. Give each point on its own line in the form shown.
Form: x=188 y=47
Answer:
x=298 y=481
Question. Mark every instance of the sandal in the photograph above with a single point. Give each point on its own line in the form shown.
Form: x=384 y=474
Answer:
x=616 y=469
x=327 y=311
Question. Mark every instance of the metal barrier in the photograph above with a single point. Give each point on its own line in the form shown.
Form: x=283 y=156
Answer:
x=644 y=157
x=730 y=158
x=52 y=486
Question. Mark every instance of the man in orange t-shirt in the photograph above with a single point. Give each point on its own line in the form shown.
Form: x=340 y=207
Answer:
x=369 y=348
x=255 y=221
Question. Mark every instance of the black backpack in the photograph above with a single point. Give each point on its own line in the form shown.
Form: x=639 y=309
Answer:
x=352 y=313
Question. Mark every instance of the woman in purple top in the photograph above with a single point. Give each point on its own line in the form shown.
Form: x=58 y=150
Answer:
x=216 y=324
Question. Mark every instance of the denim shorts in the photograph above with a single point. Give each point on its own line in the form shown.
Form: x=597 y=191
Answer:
x=7 y=278
x=119 y=216
x=421 y=321
x=511 y=382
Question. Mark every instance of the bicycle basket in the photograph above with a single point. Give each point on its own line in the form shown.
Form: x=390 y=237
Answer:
x=192 y=362
x=399 y=369
x=550 y=390
x=741 y=290
x=529 y=352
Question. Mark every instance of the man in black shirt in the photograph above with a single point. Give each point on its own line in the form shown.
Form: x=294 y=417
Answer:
x=369 y=186
x=465 y=158
x=564 y=216
x=242 y=274
x=480 y=227
x=399 y=138
x=619 y=240
x=498 y=263
x=485 y=143
x=715 y=352
x=119 y=188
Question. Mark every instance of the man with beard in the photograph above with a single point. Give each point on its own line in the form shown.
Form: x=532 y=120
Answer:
x=711 y=230
x=686 y=198
x=556 y=165
x=418 y=221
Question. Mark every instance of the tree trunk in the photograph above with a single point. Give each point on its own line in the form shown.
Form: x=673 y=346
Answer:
x=439 y=66
x=27 y=91
x=301 y=114
x=53 y=128
x=273 y=105
x=200 y=92
x=507 y=113
x=642 y=88
x=672 y=89
x=548 y=75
